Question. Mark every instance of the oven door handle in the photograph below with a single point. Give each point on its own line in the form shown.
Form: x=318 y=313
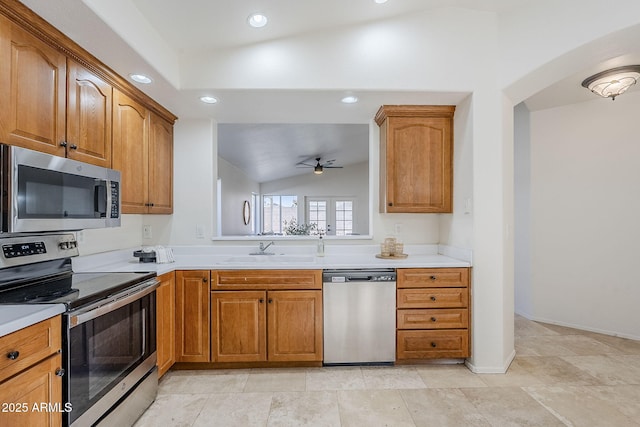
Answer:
x=116 y=302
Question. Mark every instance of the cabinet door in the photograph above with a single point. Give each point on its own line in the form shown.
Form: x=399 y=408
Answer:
x=294 y=325
x=192 y=316
x=38 y=385
x=89 y=105
x=32 y=89
x=131 y=152
x=166 y=322
x=238 y=326
x=160 y=166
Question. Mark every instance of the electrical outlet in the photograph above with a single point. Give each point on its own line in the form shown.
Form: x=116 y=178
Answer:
x=199 y=231
x=398 y=228
x=146 y=232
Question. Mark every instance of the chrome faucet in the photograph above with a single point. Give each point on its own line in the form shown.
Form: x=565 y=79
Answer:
x=262 y=248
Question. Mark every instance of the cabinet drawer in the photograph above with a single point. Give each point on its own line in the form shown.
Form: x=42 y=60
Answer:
x=432 y=344
x=29 y=345
x=433 y=298
x=433 y=277
x=266 y=279
x=433 y=319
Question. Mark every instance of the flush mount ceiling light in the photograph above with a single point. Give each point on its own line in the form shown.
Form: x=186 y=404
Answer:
x=208 y=99
x=380 y=1
x=613 y=82
x=351 y=99
x=140 y=78
x=257 y=20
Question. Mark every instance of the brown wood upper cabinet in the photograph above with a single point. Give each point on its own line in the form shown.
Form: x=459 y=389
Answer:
x=143 y=153
x=416 y=158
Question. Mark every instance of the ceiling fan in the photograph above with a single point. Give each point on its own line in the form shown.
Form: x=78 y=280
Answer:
x=319 y=167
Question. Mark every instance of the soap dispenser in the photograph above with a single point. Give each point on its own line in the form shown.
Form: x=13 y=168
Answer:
x=320 y=251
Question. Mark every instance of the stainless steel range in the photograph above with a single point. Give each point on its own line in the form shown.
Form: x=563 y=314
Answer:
x=109 y=327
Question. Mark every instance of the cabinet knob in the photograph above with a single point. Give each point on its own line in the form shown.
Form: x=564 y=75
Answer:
x=433 y=278
x=270 y=300
x=149 y=204
x=13 y=355
x=60 y=372
x=63 y=144
x=433 y=298
x=434 y=345
x=73 y=146
x=261 y=300
x=433 y=319
x=390 y=203
x=205 y=280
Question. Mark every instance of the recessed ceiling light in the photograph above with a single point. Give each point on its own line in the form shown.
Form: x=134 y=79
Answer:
x=257 y=20
x=351 y=99
x=208 y=99
x=380 y=1
x=140 y=78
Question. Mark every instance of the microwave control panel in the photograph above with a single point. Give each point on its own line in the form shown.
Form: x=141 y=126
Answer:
x=115 y=195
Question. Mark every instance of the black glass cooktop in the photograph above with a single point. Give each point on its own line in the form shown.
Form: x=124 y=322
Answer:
x=56 y=283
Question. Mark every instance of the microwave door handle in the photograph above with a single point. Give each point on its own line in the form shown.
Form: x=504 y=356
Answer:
x=101 y=199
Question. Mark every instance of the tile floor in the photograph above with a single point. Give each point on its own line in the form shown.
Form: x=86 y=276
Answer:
x=560 y=377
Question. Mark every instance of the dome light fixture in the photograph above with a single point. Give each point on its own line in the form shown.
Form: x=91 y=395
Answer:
x=613 y=82
x=209 y=99
x=257 y=20
x=349 y=99
x=380 y=1
x=140 y=78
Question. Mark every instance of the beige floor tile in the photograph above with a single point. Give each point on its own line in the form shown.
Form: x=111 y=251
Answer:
x=202 y=384
x=623 y=345
x=373 y=408
x=624 y=398
x=556 y=370
x=335 y=378
x=525 y=328
x=516 y=376
x=235 y=410
x=609 y=369
x=563 y=330
x=506 y=406
x=561 y=345
x=449 y=376
x=392 y=377
x=442 y=408
x=581 y=406
x=262 y=380
x=173 y=410
x=312 y=408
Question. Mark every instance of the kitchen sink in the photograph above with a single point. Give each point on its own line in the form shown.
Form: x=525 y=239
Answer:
x=269 y=259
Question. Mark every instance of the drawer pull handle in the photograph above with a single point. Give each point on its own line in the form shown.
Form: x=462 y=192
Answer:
x=13 y=355
x=433 y=319
x=433 y=298
x=434 y=278
x=433 y=345
x=60 y=372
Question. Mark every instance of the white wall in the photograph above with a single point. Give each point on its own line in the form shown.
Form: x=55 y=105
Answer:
x=237 y=188
x=584 y=216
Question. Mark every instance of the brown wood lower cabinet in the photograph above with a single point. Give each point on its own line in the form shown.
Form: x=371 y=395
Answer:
x=166 y=322
x=192 y=316
x=259 y=326
x=276 y=324
x=433 y=313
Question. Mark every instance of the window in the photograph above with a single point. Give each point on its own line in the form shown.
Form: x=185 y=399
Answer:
x=277 y=209
x=333 y=215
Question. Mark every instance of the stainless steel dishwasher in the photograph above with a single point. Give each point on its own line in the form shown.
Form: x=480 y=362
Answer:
x=359 y=316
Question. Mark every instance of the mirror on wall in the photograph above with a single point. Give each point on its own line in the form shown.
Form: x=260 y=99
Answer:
x=293 y=180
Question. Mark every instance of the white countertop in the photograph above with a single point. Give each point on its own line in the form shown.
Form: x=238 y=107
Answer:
x=14 y=317
x=285 y=257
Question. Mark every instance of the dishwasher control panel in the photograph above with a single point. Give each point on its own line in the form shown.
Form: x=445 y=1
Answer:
x=364 y=275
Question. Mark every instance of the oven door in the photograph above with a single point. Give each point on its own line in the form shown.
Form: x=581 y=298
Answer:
x=110 y=347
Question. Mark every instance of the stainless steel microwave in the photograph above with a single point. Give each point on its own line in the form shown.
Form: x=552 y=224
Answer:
x=41 y=192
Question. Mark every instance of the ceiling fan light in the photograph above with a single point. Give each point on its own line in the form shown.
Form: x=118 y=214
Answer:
x=613 y=82
x=318 y=170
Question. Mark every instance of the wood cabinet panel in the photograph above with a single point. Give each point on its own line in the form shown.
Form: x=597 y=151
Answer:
x=130 y=152
x=266 y=279
x=33 y=90
x=238 y=326
x=192 y=316
x=416 y=158
x=432 y=298
x=429 y=344
x=160 y=166
x=433 y=277
x=89 y=107
x=433 y=319
x=29 y=345
x=166 y=322
x=35 y=386
x=295 y=325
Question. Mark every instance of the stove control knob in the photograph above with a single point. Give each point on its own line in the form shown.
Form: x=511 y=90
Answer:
x=64 y=245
